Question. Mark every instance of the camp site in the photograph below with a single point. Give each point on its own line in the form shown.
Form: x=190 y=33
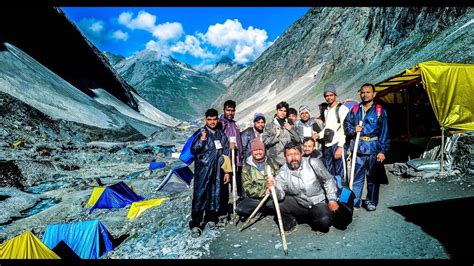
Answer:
x=174 y=133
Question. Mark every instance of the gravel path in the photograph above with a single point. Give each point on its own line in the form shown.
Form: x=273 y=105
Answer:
x=382 y=234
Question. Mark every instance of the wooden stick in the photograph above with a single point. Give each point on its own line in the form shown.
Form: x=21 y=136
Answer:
x=280 y=222
x=254 y=212
x=234 y=188
x=354 y=156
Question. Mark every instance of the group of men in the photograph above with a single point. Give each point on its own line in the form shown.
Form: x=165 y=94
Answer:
x=283 y=154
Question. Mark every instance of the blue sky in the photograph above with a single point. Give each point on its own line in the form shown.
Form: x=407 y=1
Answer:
x=196 y=35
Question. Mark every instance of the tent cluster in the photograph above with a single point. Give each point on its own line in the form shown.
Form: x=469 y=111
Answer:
x=79 y=240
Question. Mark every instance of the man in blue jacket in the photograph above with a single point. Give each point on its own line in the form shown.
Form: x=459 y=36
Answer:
x=374 y=143
x=210 y=195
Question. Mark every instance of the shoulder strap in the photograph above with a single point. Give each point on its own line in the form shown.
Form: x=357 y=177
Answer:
x=378 y=110
x=355 y=108
x=337 y=113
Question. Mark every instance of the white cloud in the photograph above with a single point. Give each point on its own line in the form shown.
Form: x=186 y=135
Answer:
x=204 y=67
x=143 y=21
x=120 y=35
x=92 y=28
x=192 y=45
x=247 y=44
x=161 y=47
x=168 y=31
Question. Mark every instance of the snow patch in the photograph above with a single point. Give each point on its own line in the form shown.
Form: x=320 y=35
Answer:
x=266 y=101
x=153 y=113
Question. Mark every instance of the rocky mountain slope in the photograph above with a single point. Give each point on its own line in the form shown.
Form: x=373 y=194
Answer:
x=113 y=58
x=226 y=71
x=349 y=46
x=47 y=35
x=172 y=86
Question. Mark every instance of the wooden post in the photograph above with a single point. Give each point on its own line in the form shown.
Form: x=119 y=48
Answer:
x=442 y=152
x=280 y=222
x=354 y=156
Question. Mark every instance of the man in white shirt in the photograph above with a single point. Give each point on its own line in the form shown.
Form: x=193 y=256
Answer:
x=334 y=148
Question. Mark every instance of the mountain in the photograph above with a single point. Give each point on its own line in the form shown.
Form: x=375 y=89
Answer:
x=47 y=35
x=26 y=80
x=349 y=47
x=172 y=86
x=226 y=71
x=113 y=58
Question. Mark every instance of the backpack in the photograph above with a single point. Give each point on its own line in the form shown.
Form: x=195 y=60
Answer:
x=378 y=110
x=186 y=155
x=323 y=111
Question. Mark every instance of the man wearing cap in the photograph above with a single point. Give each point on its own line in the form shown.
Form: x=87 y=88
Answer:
x=254 y=178
x=252 y=132
x=333 y=135
x=304 y=126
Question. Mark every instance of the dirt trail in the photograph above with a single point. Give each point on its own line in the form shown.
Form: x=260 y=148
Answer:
x=413 y=220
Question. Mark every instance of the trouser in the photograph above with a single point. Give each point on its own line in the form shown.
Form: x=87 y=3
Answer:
x=364 y=163
x=319 y=217
x=248 y=205
x=335 y=167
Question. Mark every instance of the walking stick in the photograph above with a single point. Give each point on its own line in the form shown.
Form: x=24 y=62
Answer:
x=280 y=222
x=234 y=188
x=254 y=212
x=354 y=155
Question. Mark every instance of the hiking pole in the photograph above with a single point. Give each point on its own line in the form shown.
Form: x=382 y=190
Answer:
x=254 y=212
x=234 y=188
x=280 y=222
x=354 y=155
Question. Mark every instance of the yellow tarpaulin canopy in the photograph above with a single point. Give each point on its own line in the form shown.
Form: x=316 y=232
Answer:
x=26 y=246
x=96 y=192
x=139 y=207
x=450 y=88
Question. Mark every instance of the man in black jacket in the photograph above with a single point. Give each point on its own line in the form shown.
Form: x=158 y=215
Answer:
x=250 y=133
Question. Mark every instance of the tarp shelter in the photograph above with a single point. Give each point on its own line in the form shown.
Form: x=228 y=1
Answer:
x=430 y=93
x=449 y=87
x=26 y=246
x=95 y=195
x=88 y=239
x=116 y=196
x=182 y=172
x=139 y=207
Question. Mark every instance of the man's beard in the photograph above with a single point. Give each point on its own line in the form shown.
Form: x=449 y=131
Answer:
x=294 y=165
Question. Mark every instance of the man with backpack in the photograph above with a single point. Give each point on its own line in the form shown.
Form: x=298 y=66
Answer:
x=373 y=145
x=333 y=136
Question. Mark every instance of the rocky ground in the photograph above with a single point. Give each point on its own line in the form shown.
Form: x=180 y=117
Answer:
x=49 y=177
x=415 y=219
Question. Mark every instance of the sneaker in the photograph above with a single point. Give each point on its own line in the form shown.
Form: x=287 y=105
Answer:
x=371 y=207
x=196 y=232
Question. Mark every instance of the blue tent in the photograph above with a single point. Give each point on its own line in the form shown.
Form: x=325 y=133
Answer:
x=116 y=196
x=182 y=172
x=88 y=239
x=154 y=165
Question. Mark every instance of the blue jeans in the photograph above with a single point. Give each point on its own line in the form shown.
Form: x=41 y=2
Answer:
x=335 y=167
x=364 y=163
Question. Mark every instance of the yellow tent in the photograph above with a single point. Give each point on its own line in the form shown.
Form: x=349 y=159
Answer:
x=26 y=246
x=450 y=88
x=139 y=207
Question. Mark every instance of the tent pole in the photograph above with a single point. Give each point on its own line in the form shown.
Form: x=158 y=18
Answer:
x=442 y=152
